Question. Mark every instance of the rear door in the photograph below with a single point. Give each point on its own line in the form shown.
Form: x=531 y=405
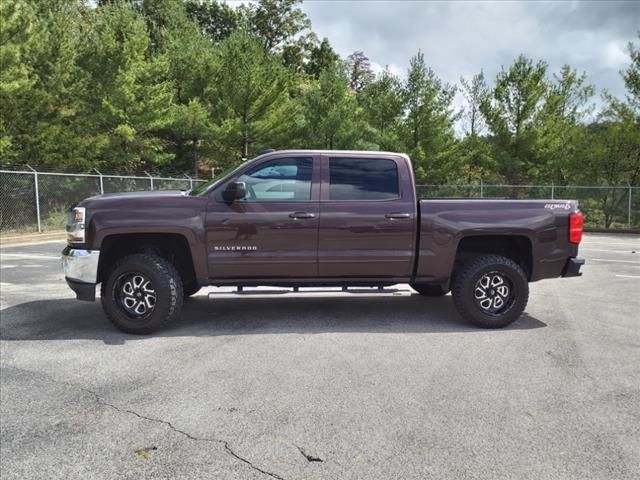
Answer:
x=367 y=217
x=273 y=231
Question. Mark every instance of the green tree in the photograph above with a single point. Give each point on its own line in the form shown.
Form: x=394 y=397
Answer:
x=332 y=116
x=611 y=149
x=427 y=129
x=249 y=98
x=475 y=92
x=474 y=149
x=125 y=92
x=560 y=125
x=321 y=57
x=17 y=22
x=37 y=83
x=216 y=19
x=359 y=70
x=277 y=22
x=382 y=105
x=511 y=113
x=631 y=77
x=192 y=62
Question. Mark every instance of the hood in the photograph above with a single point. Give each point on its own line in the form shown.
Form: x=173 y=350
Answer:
x=130 y=197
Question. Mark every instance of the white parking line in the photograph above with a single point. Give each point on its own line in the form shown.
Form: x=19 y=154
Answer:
x=609 y=244
x=628 y=276
x=28 y=257
x=604 y=250
x=611 y=260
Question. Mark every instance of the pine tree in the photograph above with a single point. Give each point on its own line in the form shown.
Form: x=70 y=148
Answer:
x=321 y=57
x=127 y=96
x=428 y=126
x=382 y=106
x=359 y=70
x=249 y=98
x=511 y=113
x=332 y=117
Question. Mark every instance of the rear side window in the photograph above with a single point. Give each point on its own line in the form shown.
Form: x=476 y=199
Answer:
x=363 y=179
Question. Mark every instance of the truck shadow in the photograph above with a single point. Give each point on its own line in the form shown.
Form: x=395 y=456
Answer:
x=67 y=319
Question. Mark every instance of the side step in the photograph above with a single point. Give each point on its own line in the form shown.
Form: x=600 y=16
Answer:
x=306 y=291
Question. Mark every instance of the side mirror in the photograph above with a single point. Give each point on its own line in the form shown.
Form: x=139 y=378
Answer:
x=234 y=191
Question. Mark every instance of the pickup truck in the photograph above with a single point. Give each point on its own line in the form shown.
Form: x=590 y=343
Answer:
x=300 y=218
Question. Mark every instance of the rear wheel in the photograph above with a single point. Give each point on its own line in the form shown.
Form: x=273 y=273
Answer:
x=429 y=290
x=491 y=291
x=142 y=294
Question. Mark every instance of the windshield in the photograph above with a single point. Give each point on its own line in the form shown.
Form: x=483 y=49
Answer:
x=205 y=187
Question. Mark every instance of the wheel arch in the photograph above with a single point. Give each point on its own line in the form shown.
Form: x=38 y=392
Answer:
x=516 y=247
x=172 y=246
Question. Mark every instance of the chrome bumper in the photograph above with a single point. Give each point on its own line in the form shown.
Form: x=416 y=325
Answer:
x=80 y=265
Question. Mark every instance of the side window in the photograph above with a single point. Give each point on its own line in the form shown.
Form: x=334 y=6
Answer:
x=363 y=179
x=281 y=180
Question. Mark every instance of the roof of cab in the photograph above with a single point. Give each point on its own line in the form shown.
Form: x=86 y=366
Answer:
x=368 y=153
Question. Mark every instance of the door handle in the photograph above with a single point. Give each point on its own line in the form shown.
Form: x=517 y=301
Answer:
x=301 y=215
x=397 y=216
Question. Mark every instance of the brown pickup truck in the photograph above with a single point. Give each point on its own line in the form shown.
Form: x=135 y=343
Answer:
x=315 y=218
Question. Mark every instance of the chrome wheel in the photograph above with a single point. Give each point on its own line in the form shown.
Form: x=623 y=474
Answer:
x=135 y=295
x=494 y=293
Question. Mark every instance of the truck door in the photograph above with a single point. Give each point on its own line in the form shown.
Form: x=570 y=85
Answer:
x=273 y=231
x=367 y=217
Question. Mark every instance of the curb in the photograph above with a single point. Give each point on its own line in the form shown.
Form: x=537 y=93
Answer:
x=33 y=237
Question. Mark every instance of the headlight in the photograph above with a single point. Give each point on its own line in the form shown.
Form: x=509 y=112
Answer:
x=75 y=225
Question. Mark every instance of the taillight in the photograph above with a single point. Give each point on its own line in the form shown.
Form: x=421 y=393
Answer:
x=576 y=223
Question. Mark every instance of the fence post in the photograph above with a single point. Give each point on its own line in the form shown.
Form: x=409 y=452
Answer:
x=553 y=191
x=629 y=208
x=101 y=184
x=481 y=189
x=35 y=180
x=190 y=181
x=150 y=179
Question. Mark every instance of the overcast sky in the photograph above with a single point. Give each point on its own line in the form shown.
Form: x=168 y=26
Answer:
x=460 y=38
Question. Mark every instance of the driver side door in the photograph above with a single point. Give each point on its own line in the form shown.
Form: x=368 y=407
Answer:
x=273 y=231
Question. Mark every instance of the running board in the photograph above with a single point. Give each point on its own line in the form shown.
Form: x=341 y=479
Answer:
x=306 y=291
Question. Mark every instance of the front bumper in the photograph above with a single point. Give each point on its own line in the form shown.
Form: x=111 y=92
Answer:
x=81 y=271
x=573 y=266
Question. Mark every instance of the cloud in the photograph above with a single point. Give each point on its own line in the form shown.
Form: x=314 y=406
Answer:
x=460 y=38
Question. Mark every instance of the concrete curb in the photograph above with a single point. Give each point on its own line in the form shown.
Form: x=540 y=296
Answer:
x=32 y=237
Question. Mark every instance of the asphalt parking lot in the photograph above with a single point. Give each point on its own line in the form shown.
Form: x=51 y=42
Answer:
x=335 y=386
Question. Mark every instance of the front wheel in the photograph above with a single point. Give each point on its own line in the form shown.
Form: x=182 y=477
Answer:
x=142 y=294
x=491 y=291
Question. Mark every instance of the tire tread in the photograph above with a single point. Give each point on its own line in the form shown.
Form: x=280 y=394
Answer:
x=168 y=275
x=468 y=271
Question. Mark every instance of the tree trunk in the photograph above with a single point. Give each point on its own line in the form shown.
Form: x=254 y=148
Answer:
x=194 y=154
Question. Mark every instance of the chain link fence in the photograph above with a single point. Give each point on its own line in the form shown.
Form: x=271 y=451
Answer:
x=38 y=201
x=33 y=201
x=604 y=207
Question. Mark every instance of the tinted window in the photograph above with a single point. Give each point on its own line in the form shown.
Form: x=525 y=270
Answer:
x=362 y=179
x=281 y=180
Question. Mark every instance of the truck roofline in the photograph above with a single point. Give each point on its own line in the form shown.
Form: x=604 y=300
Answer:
x=333 y=152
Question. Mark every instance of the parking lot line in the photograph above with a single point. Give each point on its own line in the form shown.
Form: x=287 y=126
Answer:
x=628 y=276
x=28 y=257
x=615 y=261
x=588 y=249
x=610 y=244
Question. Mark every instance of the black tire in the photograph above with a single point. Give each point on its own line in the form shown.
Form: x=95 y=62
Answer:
x=142 y=306
x=429 y=290
x=490 y=291
x=190 y=289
